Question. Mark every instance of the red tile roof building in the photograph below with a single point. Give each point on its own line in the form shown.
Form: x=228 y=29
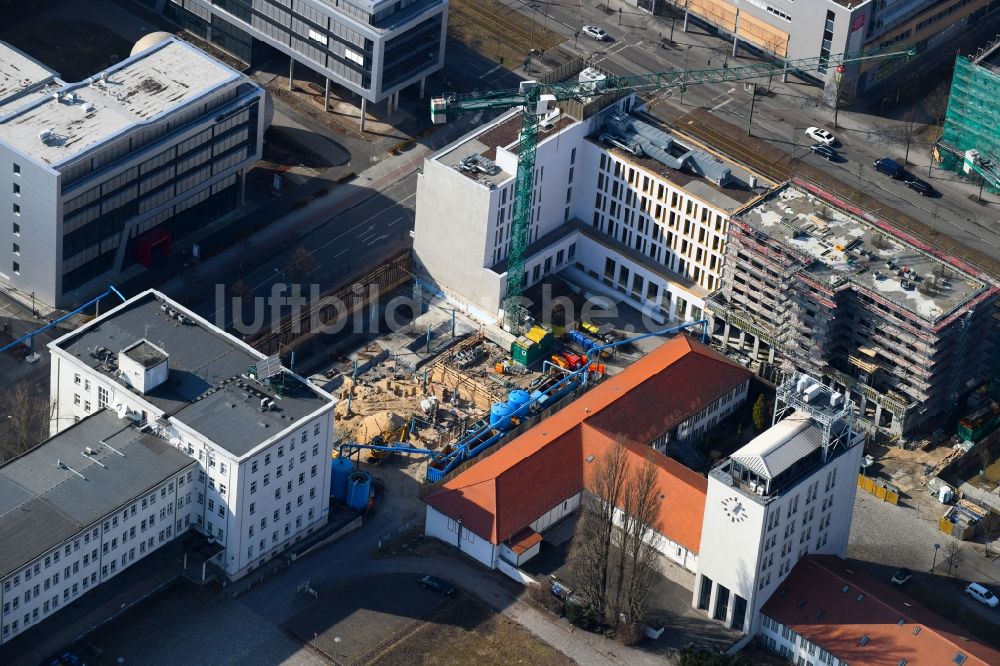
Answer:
x=830 y=613
x=538 y=477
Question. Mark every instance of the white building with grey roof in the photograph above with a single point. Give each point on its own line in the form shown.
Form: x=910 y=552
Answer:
x=261 y=436
x=103 y=175
x=83 y=506
x=621 y=208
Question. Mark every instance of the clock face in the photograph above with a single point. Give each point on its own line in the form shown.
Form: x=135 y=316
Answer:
x=734 y=509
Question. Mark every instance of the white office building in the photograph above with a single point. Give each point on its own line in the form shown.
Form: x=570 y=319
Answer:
x=83 y=506
x=260 y=434
x=373 y=48
x=787 y=493
x=620 y=208
x=102 y=175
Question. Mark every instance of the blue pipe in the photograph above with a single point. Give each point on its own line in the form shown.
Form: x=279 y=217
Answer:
x=55 y=322
x=111 y=287
x=373 y=447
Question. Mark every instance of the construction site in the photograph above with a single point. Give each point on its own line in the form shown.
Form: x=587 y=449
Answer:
x=815 y=283
x=970 y=141
x=443 y=389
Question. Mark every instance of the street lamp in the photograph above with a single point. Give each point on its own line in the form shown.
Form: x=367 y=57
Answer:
x=459 y=533
x=937 y=547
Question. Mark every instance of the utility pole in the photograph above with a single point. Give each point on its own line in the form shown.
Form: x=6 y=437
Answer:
x=753 y=98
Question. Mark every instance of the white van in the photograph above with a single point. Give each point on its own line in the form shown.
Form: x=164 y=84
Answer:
x=982 y=595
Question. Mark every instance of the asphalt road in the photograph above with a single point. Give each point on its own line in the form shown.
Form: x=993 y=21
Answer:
x=360 y=237
x=781 y=117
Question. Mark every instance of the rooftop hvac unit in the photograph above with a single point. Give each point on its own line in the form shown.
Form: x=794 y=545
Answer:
x=89 y=451
x=801 y=385
x=46 y=135
x=836 y=398
x=811 y=392
x=760 y=489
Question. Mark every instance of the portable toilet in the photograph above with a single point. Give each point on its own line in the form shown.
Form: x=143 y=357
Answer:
x=945 y=494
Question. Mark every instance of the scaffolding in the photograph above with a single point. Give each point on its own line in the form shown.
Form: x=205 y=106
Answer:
x=972 y=121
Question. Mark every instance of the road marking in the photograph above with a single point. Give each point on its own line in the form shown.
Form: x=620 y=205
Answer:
x=721 y=104
x=398 y=219
x=344 y=251
x=376 y=240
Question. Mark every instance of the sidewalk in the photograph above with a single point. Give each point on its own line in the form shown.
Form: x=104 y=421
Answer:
x=96 y=607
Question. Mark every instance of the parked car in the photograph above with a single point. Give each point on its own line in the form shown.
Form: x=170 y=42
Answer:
x=594 y=32
x=902 y=576
x=921 y=187
x=982 y=595
x=826 y=152
x=437 y=584
x=821 y=135
x=889 y=167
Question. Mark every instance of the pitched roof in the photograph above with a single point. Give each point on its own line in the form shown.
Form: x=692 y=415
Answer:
x=513 y=487
x=780 y=446
x=813 y=602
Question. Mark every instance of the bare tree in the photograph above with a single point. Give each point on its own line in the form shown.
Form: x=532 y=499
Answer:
x=908 y=129
x=24 y=419
x=952 y=555
x=936 y=102
x=615 y=548
x=300 y=265
x=593 y=543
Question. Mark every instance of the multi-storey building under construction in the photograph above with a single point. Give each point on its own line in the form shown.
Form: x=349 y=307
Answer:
x=816 y=284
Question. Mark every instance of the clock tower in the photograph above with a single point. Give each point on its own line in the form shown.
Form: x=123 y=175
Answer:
x=788 y=492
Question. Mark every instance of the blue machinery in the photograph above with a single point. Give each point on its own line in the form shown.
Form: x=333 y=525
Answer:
x=504 y=416
x=29 y=337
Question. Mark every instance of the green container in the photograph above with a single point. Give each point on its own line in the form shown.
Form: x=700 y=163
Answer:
x=525 y=351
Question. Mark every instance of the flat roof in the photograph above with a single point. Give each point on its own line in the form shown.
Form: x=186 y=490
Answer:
x=735 y=193
x=20 y=73
x=145 y=354
x=501 y=133
x=839 y=247
x=42 y=503
x=61 y=125
x=207 y=387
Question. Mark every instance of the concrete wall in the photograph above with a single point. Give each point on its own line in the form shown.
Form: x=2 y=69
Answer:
x=451 y=213
x=31 y=221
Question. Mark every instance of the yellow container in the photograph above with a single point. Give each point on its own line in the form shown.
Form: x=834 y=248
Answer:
x=536 y=334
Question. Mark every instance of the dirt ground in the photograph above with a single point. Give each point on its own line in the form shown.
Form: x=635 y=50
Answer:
x=463 y=631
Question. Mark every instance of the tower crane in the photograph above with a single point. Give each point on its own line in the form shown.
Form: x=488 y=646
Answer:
x=535 y=100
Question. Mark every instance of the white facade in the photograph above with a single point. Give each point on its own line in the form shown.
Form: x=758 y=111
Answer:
x=781 y=496
x=79 y=508
x=100 y=175
x=617 y=224
x=255 y=502
x=792 y=646
x=692 y=427
x=446 y=529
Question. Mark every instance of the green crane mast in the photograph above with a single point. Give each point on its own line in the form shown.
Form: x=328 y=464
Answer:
x=536 y=99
